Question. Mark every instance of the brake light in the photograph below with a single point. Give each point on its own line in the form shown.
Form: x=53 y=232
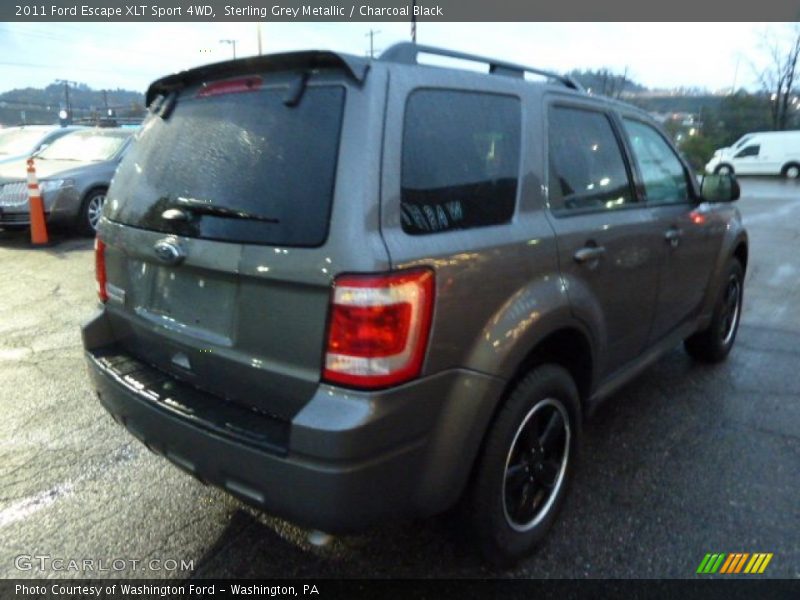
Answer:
x=100 y=269
x=378 y=329
x=230 y=86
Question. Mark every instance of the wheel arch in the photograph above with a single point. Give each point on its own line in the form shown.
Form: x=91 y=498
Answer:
x=741 y=253
x=80 y=219
x=568 y=346
x=736 y=247
x=95 y=187
x=787 y=164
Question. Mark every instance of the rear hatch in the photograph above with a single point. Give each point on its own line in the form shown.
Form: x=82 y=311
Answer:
x=215 y=240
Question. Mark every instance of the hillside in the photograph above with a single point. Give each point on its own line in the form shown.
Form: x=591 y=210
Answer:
x=41 y=106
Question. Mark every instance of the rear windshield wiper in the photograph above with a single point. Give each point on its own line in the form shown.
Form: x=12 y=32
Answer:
x=163 y=105
x=204 y=207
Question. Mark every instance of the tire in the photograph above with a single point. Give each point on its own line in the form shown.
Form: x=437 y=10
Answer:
x=523 y=472
x=714 y=343
x=90 y=212
x=791 y=171
x=724 y=170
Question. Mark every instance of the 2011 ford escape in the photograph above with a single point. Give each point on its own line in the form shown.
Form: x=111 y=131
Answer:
x=345 y=290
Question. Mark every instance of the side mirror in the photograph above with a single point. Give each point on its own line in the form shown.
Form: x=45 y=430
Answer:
x=720 y=188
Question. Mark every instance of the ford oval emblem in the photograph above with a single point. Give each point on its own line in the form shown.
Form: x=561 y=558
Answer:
x=169 y=251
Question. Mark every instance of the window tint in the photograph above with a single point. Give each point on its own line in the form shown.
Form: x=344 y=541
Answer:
x=587 y=170
x=460 y=160
x=662 y=172
x=244 y=152
x=749 y=151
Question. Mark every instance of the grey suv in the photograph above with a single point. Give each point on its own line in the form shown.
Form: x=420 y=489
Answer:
x=348 y=290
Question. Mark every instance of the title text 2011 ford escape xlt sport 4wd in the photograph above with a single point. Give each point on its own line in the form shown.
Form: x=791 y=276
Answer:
x=345 y=290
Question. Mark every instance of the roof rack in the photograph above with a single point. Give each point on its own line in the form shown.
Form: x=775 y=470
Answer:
x=406 y=53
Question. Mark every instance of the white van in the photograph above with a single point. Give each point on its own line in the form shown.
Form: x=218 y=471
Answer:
x=760 y=153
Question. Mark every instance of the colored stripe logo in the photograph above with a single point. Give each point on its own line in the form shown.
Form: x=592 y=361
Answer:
x=735 y=562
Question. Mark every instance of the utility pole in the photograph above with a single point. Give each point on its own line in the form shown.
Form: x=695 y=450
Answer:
x=67 y=105
x=372 y=33
x=232 y=43
x=414 y=21
x=258 y=32
x=735 y=74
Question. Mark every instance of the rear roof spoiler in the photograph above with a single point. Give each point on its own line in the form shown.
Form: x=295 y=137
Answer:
x=354 y=66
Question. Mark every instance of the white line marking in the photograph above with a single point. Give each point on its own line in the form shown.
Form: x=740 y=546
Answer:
x=33 y=504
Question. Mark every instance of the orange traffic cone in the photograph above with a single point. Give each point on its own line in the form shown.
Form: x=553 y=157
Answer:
x=36 y=205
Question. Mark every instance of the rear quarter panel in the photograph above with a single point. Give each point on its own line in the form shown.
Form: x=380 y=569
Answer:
x=498 y=288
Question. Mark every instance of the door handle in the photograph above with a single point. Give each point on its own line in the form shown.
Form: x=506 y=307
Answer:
x=673 y=235
x=589 y=254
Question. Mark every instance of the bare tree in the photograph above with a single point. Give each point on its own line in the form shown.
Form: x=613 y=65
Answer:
x=779 y=79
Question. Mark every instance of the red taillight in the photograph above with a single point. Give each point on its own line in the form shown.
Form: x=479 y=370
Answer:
x=100 y=269
x=378 y=329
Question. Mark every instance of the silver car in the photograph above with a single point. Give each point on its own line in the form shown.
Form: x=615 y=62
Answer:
x=74 y=173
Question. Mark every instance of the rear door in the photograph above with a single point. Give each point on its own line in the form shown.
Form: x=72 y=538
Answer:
x=219 y=217
x=608 y=250
x=686 y=230
x=772 y=154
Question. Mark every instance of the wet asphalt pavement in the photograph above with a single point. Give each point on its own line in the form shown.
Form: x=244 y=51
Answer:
x=687 y=459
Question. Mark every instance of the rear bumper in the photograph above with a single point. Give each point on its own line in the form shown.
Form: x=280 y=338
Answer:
x=346 y=461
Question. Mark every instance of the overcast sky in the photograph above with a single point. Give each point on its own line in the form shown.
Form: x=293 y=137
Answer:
x=131 y=55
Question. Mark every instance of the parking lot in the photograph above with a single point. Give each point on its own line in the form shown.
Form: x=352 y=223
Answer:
x=687 y=459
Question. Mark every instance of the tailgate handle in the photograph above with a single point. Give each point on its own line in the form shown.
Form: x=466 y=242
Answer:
x=174 y=214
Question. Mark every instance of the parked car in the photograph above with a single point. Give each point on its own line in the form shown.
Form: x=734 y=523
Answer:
x=348 y=290
x=74 y=173
x=760 y=153
x=21 y=142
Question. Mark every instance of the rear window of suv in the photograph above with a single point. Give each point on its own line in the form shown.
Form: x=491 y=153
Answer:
x=246 y=153
x=460 y=160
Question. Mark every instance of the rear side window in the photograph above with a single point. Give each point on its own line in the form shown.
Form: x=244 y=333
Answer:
x=244 y=152
x=460 y=160
x=587 y=171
